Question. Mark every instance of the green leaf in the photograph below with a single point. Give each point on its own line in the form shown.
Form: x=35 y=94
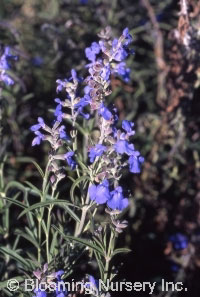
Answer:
x=47 y=203
x=54 y=242
x=27 y=237
x=80 y=240
x=71 y=212
x=20 y=204
x=16 y=185
x=28 y=160
x=7 y=292
x=120 y=251
x=4 y=283
x=75 y=184
x=15 y=256
x=100 y=264
x=33 y=188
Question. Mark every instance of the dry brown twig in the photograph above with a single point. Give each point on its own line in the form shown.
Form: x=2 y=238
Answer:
x=159 y=54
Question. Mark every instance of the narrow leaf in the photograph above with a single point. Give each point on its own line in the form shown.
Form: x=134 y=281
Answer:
x=80 y=240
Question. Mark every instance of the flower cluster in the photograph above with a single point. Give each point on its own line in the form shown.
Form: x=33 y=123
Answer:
x=55 y=136
x=114 y=199
x=106 y=57
x=43 y=276
x=5 y=65
x=113 y=150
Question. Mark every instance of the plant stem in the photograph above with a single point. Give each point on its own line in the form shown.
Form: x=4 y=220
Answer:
x=108 y=255
x=39 y=239
x=41 y=212
x=47 y=233
x=80 y=226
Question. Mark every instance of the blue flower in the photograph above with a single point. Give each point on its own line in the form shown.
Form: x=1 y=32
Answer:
x=105 y=112
x=40 y=124
x=40 y=293
x=71 y=162
x=127 y=126
x=179 y=241
x=59 y=274
x=38 y=138
x=81 y=104
x=62 y=133
x=93 y=281
x=60 y=289
x=121 y=54
x=96 y=151
x=83 y=2
x=92 y=51
x=61 y=84
x=123 y=71
x=128 y=37
x=105 y=73
x=93 y=285
x=100 y=193
x=5 y=65
x=135 y=163
x=117 y=200
x=122 y=146
x=74 y=75
x=58 y=113
x=102 y=46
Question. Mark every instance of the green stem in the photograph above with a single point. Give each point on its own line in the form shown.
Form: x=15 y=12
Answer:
x=47 y=234
x=80 y=226
x=109 y=255
x=39 y=240
x=41 y=212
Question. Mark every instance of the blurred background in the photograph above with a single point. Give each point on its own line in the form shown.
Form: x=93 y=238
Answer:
x=162 y=99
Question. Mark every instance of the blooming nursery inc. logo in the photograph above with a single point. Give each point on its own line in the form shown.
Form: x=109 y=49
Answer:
x=86 y=137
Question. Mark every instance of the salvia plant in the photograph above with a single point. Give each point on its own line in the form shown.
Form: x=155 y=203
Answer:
x=90 y=150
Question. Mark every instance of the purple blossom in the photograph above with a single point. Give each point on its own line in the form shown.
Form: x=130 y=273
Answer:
x=120 y=54
x=102 y=45
x=122 y=146
x=74 y=75
x=63 y=134
x=104 y=112
x=127 y=126
x=135 y=163
x=117 y=200
x=61 y=84
x=93 y=281
x=5 y=65
x=93 y=284
x=61 y=292
x=40 y=293
x=92 y=51
x=100 y=193
x=128 y=37
x=179 y=241
x=71 y=162
x=96 y=151
x=38 y=138
x=59 y=274
x=81 y=104
x=123 y=71
x=40 y=124
x=120 y=50
x=58 y=113
x=105 y=73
